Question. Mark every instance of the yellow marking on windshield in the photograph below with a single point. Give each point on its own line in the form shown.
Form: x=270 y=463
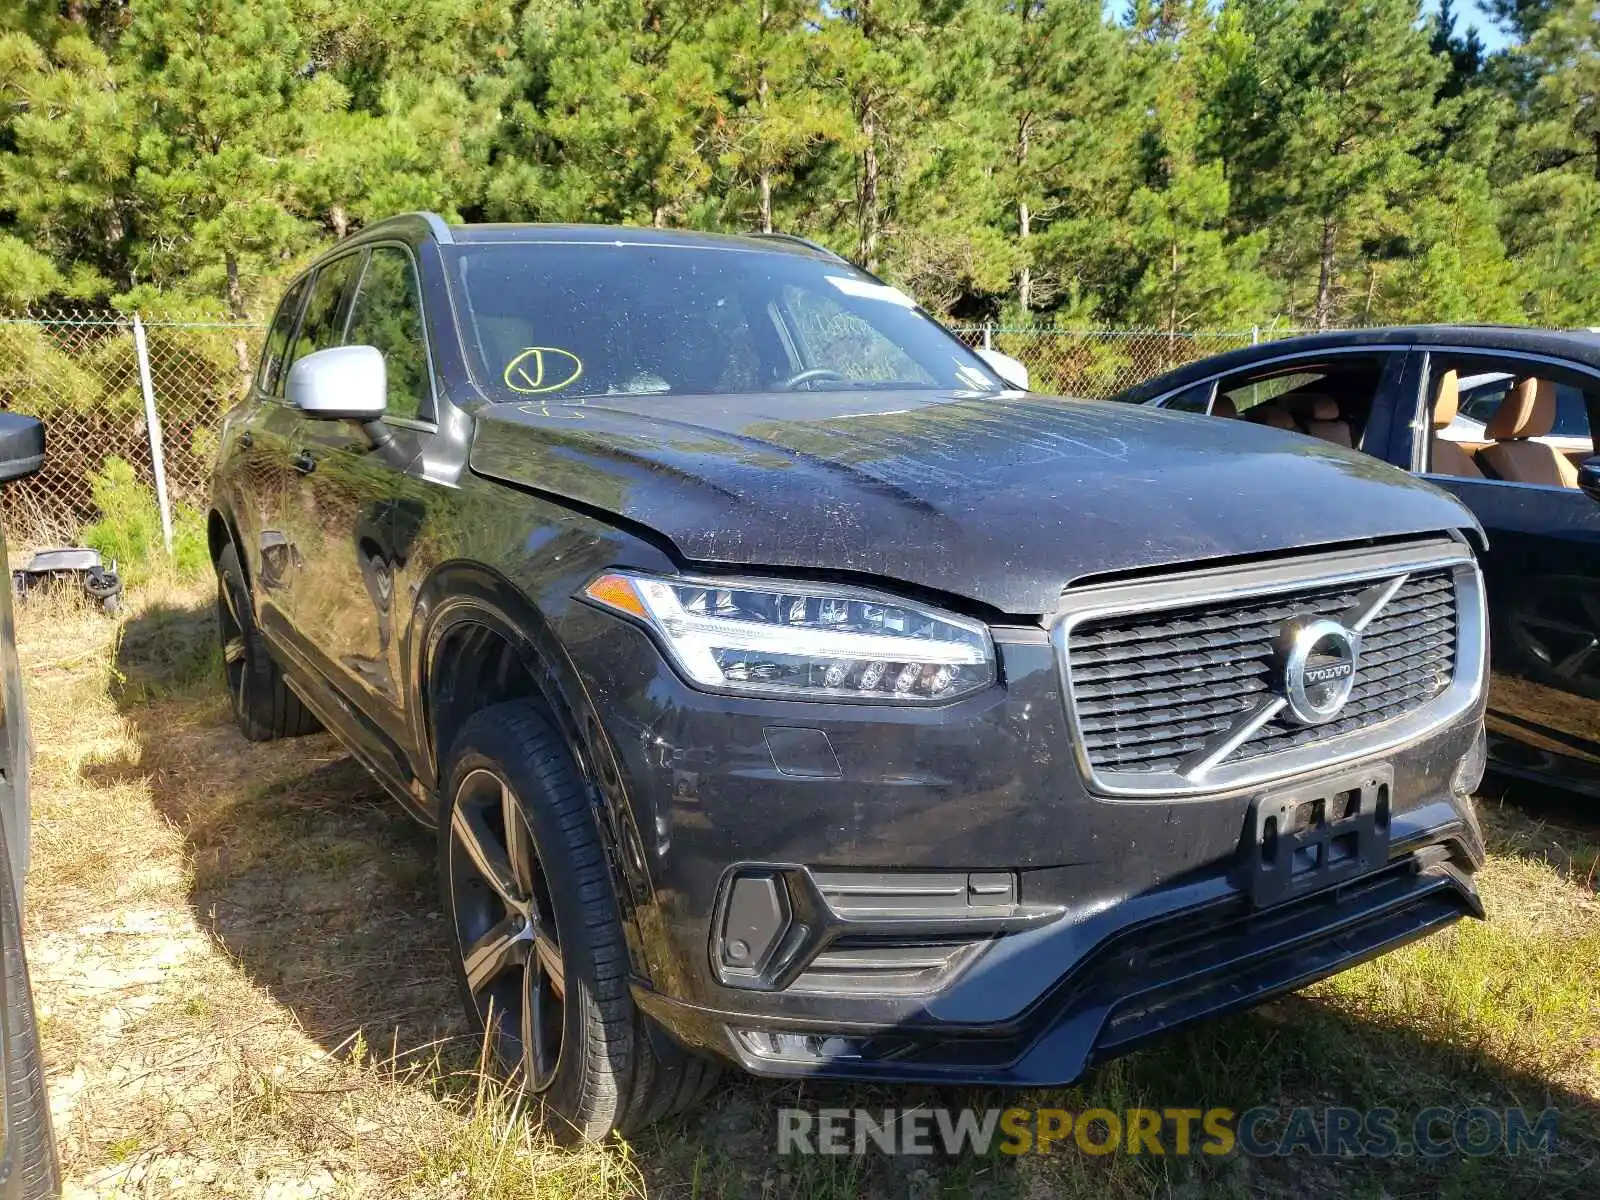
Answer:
x=532 y=371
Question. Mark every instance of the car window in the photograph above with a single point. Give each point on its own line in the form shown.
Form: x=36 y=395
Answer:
x=566 y=321
x=387 y=313
x=1462 y=447
x=269 y=373
x=1572 y=414
x=1330 y=399
x=1196 y=398
x=319 y=328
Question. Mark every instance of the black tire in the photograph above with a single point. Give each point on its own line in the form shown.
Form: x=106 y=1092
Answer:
x=31 y=1148
x=612 y=1069
x=263 y=705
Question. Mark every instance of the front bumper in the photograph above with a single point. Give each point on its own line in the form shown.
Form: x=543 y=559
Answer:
x=1150 y=978
x=1054 y=926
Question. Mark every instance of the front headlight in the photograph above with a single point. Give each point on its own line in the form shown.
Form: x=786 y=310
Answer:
x=802 y=641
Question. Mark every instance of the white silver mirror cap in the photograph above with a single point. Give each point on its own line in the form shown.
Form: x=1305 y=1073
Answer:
x=1008 y=368
x=342 y=383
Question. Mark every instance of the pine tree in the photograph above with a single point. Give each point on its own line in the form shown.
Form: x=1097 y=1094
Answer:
x=67 y=154
x=1550 y=169
x=228 y=94
x=1062 y=133
x=776 y=115
x=1328 y=157
x=1186 y=269
x=616 y=131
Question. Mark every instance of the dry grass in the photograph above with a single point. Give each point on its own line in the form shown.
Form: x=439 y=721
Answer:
x=245 y=989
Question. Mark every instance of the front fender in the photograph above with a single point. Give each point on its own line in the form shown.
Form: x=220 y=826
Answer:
x=460 y=595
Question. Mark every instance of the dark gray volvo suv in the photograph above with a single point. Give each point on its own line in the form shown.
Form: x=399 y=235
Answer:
x=790 y=690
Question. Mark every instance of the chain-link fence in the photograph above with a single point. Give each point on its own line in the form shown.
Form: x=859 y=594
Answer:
x=1097 y=363
x=96 y=378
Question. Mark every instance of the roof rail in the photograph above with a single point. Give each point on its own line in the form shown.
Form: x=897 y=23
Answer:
x=435 y=223
x=797 y=240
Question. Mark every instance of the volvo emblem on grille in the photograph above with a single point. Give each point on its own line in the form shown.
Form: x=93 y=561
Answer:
x=1318 y=659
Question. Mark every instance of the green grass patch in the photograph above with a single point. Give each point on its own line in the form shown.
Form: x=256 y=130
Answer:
x=129 y=528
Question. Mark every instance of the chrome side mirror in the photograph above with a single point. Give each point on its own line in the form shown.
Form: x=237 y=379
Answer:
x=342 y=383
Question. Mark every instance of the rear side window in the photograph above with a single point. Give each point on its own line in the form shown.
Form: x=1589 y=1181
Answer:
x=1246 y=396
x=320 y=327
x=387 y=313
x=1196 y=398
x=1331 y=399
x=269 y=374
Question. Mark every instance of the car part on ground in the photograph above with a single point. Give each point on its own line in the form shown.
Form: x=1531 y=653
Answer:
x=70 y=569
x=790 y=691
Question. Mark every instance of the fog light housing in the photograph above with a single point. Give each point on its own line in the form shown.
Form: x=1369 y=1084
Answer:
x=774 y=1046
x=1469 y=771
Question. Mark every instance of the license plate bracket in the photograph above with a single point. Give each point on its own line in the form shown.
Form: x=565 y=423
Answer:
x=1311 y=837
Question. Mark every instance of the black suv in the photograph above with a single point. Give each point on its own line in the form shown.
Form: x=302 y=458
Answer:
x=790 y=690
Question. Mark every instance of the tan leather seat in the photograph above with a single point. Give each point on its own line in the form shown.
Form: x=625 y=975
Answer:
x=1528 y=411
x=1322 y=420
x=1444 y=456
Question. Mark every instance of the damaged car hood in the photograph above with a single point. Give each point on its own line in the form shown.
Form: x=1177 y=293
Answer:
x=1004 y=500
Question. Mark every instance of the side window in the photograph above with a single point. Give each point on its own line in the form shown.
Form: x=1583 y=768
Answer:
x=1477 y=440
x=1246 y=396
x=269 y=374
x=831 y=338
x=319 y=328
x=387 y=313
x=1196 y=398
x=1329 y=399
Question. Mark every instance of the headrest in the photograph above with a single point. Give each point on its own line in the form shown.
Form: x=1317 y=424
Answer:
x=1324 y=408
x=1448 y=402
x=1528 y=411
x=1223 y=406
x=1271 y=414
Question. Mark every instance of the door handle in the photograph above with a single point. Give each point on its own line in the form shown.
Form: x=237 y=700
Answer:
x=304 y=463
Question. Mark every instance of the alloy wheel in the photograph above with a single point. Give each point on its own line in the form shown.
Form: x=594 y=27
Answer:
x=231 y=624
x=505 y=929
x=1559 y=628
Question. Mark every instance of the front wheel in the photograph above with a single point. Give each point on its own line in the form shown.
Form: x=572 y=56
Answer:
x=541 y=958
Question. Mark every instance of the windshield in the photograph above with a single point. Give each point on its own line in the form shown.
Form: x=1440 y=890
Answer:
x=565 y=320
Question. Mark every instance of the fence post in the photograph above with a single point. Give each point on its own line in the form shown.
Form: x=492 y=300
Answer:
x=988 y=335
x=1255 y=335
x=153 y=425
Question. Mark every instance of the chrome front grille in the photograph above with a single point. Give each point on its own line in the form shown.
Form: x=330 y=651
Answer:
x=1174 y=684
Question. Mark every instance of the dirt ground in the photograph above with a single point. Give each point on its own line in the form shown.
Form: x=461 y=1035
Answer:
x=244 y=989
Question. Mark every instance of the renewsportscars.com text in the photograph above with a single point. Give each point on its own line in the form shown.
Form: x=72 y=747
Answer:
x=1258 y=1132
